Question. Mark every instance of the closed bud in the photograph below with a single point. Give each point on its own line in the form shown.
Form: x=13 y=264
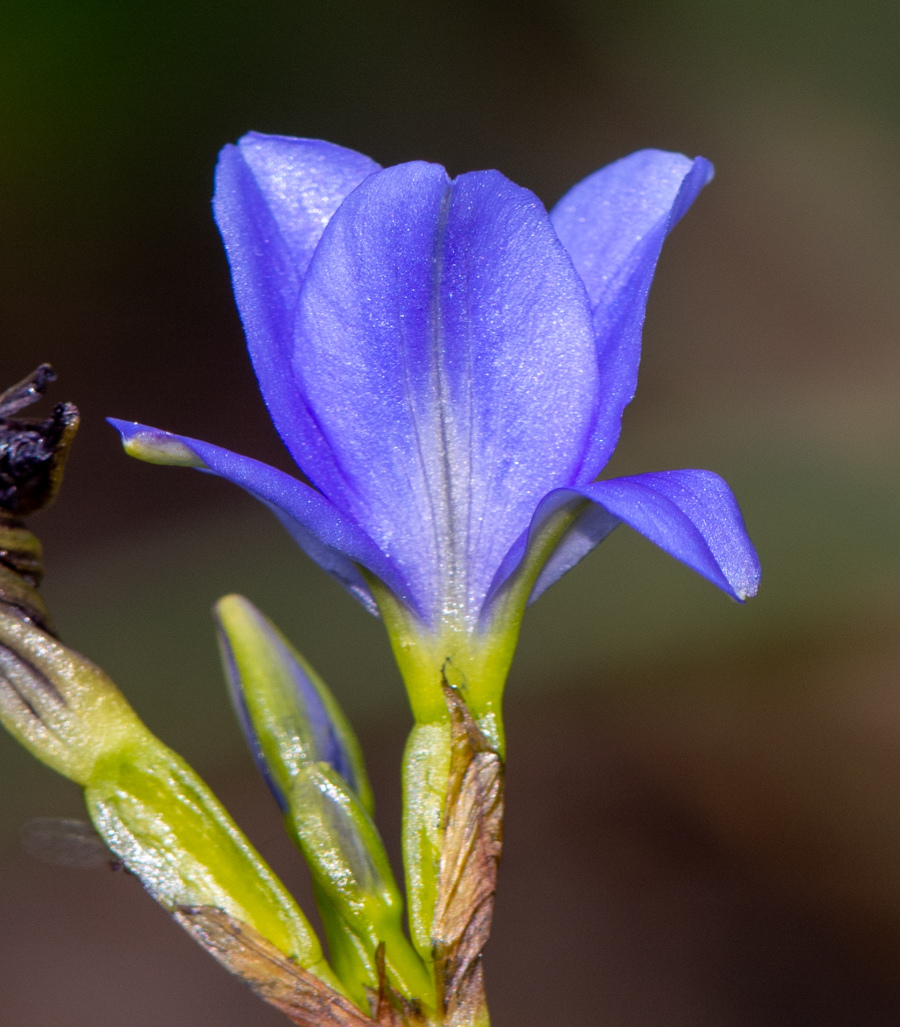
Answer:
x=287 y=713
x=309 y=755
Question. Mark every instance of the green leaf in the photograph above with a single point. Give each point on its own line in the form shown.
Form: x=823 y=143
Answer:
x=167 y=827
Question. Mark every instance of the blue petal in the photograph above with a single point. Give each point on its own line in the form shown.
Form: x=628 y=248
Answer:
x=588 y=531
x=613 y=225
x=326 y=534
x=692 y=515
x=303 y=182
x=273 y=199
x=444 y=344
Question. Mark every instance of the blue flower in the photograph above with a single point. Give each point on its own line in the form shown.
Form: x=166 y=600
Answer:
x=448 y=365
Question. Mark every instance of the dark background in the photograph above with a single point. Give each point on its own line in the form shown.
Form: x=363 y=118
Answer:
x=704 y=799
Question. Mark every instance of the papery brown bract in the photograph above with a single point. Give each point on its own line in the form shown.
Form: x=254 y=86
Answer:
x=467 y=877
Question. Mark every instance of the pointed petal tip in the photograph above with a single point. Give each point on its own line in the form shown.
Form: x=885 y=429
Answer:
x=670 y=159
x=747 y=590
x=690 y=514
x=708 y=168
x=154 y=446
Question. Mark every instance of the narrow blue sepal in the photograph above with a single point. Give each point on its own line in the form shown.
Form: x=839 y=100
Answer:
x=328 y=535
x=690 y=514
x=693 y=516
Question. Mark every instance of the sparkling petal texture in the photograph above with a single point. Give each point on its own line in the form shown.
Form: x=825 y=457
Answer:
x=274 y=196
x=445 y=346
x=693 y=516
x=613 y=225
x=449 y=365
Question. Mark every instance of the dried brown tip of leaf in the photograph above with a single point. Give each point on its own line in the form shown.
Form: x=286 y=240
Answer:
x=389 y=1008
x=267 y=971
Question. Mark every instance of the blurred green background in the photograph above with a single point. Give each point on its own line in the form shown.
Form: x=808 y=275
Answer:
x=704 y=821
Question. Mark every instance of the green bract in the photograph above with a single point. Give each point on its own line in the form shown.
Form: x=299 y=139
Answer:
x=151 y=809
x=312 y=760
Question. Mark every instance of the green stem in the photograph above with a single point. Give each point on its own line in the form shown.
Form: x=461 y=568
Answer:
x=474 y=662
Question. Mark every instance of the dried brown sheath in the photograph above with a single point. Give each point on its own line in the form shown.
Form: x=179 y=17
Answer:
x=278 y=980
x=470 y=856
